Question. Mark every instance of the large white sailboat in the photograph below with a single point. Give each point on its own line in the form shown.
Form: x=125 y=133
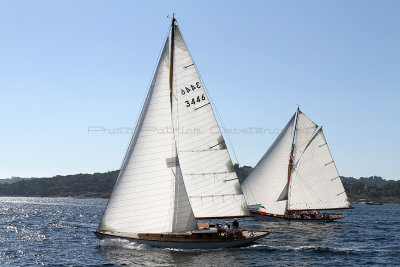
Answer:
x=177 y=167
x=296 y=179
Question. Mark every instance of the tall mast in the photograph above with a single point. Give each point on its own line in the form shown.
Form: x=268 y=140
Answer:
x=171 y=62
x=290 y=167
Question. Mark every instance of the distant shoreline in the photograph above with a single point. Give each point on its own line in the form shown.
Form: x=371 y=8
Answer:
x=100 y=185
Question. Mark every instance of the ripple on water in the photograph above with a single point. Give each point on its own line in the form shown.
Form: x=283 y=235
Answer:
x=46 y=231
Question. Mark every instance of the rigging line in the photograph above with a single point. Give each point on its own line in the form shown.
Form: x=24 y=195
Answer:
x=219 y=186
x=206 y=143
x=217 y=183
x=217 y=144
x=227 y=180
x=176 y=99
x=335 y=178
x=202 y=105
x=211 y=101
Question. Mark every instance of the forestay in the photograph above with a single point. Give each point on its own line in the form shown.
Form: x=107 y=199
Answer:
x=268 y=180
x=315 y=182
x=211 y=182
x=149 y=195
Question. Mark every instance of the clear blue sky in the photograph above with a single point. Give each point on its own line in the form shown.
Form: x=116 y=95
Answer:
x=69 y=65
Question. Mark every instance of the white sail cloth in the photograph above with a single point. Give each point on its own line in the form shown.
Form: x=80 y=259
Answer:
x=315 y=182
x=211 y=182
x=305 y=129
x=276 y=208
x=171 y=173
x=149 y=195
x=269 y=177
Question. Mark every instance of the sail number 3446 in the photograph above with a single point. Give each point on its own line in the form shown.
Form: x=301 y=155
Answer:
x=195 y=100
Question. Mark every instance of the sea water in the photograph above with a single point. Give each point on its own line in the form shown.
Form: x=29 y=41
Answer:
x=58 y=232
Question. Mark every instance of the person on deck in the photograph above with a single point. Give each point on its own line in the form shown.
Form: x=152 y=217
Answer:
x=227 y=228
x=235 y=226
x=235 y=223
x=219 y=229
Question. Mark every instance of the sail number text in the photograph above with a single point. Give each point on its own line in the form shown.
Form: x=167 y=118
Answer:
x=190 y=88
x=195 y=100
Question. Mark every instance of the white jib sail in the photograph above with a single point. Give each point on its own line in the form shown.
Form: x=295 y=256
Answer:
x=268 y=180
x=207 y=169
x=315 y=182
x=305 y=129
x=149 y=195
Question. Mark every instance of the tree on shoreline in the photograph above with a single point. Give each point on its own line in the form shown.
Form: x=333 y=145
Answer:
x=374 y=188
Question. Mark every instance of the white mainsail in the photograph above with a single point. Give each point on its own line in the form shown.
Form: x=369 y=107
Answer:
x=315 y=182
x=268 y=180
x=211 y=182
x=149 y=195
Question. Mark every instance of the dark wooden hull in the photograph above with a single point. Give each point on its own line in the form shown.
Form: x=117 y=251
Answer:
x=327 y=217
x=187 y=241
